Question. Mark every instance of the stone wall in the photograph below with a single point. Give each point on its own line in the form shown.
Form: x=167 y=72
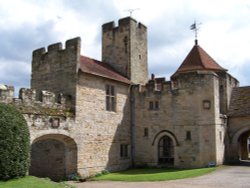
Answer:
x=56 y=70
x=191 y=105
x=101 y=132
x=94 y=134
x=237 y=126
x=125 y=48
x=44 y=115
x=66 y=109
x=48 y=159
x=226 y=84
x=47 y=118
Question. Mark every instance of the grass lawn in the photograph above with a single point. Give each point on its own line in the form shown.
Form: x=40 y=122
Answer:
x=32 y=182
x=154 y=174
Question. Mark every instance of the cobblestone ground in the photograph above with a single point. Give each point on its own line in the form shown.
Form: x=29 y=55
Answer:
x=225 y=177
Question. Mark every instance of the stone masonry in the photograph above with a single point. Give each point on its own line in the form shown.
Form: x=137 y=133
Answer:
x=86 y=116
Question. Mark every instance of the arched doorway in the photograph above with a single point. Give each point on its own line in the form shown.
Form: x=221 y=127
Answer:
x=53 y=156
x=244 y=146
x=165 y=151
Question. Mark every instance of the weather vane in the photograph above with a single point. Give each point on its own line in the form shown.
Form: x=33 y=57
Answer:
x=194 y=27
x=131 y=11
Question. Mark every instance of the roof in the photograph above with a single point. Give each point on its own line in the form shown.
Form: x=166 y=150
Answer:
x=99 y=68
x=198 y=59
x=240 y=102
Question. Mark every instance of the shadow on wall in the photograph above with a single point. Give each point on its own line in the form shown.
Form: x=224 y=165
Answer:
x=238 y=148
x=104 y=115
x=120 y=153
x=53 y=156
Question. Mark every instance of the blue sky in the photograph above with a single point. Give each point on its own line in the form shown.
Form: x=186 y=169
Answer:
x=26 y=25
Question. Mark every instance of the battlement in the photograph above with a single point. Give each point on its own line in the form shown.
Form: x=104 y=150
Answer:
x=27 y=102
x=124 y=22
x=124 y=47
x=158 y=85
x=71 y=44
x=6 y=93
x=57 y=67
x=187 y=82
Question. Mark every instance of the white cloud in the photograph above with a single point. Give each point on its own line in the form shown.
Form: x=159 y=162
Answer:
x=29 y=24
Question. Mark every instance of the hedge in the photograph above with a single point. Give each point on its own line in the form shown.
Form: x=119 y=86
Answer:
x=14 y=143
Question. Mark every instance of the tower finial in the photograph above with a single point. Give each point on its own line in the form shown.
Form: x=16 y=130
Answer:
x=194 y=27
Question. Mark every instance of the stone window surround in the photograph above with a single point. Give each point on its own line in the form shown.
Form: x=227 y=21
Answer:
x=188 y=135
x=153 y=105
x=145 y=132
x=124 y=150
x=206 y=104
x=110 y=98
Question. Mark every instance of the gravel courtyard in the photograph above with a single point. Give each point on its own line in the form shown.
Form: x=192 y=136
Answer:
x=227 y=176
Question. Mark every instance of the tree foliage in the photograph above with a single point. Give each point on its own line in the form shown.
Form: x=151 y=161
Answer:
x=14 y=143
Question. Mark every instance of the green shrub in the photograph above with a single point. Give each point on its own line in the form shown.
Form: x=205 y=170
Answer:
x=14 y=143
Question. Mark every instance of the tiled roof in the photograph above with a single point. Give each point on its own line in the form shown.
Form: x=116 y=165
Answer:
x=198 y=59
x=99 y=68
x=240 y=102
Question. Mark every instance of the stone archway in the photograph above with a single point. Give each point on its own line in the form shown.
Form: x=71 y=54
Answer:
x=238 y=147
x=164 y=148
x=243 y=145
x=165 y=151
x=53 y=156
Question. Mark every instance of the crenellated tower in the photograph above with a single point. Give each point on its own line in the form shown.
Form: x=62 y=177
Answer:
x=125 y=48
x=56 y=69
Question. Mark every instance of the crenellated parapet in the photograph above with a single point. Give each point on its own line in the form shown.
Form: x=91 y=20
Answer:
x=124 y=47
x=47 y=103
x=187 y=83
x=55 y=68
x=155 y=86
x=123 y=23
x=71 y=46
x=6 y=93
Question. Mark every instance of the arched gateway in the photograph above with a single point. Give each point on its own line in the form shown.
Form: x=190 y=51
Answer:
x=166 y=151
x=243 y=145
x=53 y=156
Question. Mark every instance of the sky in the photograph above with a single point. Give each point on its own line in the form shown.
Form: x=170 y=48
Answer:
x=224 y=32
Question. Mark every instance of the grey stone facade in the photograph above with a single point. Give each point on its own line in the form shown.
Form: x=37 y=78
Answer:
x=86 y=116
x=125 y=48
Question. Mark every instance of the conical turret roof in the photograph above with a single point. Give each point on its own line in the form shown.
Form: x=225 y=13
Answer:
x=198 y=59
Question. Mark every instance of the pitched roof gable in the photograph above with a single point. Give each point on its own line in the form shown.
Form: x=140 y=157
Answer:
x=99 y=68
x=198 y=59
x=240 y=102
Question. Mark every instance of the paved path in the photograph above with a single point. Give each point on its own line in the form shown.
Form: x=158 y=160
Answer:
x=225 y=177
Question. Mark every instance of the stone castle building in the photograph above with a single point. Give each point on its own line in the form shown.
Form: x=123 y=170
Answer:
x=86 y=116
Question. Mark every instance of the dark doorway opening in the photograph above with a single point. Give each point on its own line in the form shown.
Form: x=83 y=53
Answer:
x=166 y=151
x=244 y=146
x=53 y=156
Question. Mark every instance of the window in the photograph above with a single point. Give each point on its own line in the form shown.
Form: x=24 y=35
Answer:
x=154 y=105
x=188 y=135
x=206 y=104
x=110 y=98
x=124 y=150
x=145 y=132
x=151 y=105
x=125 y=40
